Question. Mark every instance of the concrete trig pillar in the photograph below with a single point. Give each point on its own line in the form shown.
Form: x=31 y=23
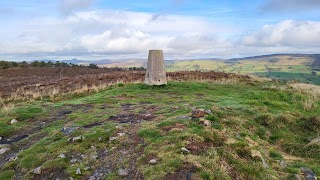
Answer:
x=155 y=73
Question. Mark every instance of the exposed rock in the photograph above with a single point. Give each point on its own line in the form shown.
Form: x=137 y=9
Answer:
x=13 y=121
x=185 y=118
x=37 y=170
x=100 y=139
x=209 y=112
x=62 y=156
x=205 y=122
x=264 y=163
x=123 y=172
x=78 y=172
x=0 y=138
x=87 y=168
x=153 y=161
x=92 y=178
x=185 y=150
x=74 y=160
x=113 y=138
x=78 y=138
x=315 y=141
x=198 y=113
x=13 y=158
x=121 y=134
x=283 y=164
x=4 y=150
x=93 y=147
x=94 y=157
x=308 y=173
x=68 y=130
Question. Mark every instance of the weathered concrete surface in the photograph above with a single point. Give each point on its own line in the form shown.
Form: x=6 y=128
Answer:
x=155 y=74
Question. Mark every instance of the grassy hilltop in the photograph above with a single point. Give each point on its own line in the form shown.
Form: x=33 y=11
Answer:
x=257 y=130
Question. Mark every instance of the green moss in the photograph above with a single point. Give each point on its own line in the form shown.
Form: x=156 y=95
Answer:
x=7 y=175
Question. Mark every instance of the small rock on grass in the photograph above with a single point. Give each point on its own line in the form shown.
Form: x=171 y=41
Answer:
x=308 y=173
x=37 y=170
x=153 y=161
x=112 y=138
x=78 y=138
x=4 y=150
x=198 y=113
x=185 y=150
x=78 y=172
x=123 y=172
x=184 y=118
x=62 y=156
x=209 y=112
x=121 y=134
x=13 y=121
x=92 y=178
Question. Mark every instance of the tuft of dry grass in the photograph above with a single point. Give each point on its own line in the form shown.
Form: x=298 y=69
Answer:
x=311 y=91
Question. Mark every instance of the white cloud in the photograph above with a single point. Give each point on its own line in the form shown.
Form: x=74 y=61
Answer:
x=67 y=6
x=289 y=33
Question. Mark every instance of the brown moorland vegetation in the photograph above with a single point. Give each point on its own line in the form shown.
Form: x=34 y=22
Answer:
x=32 y=83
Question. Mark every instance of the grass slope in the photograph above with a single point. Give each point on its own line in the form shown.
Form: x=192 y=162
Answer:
x=272 y=121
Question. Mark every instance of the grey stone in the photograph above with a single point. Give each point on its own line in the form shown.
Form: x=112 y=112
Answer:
x=153 y=161
x=155 y=73
x=92 y=178
x=78 y=172
x=283 y=164
x=62 y=156
x=68 y=130
x=315 y=141
x=185 y=150
x=94 y=157
x=4 y=150
x=112 y=138
x=78 y=138
x=13 y=121
x=100 y=139
x=87 y=168
x=74 y=160
x=123 y=172
x=185 y=118
x=209 y=112
x=264 y=163
x=121 y=134
x=37 y=170
x=308 y=173
x=13 y=158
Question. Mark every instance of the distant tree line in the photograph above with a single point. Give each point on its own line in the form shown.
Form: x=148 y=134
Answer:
x=24 y=64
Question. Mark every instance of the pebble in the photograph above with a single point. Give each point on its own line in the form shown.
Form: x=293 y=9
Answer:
x=153 y=161
x=123 y=172
x=100 y=139
x=185 y=149
x=13 y=158
x=74 y=160
x=62 y=156
x=94 y=157
x=37 y=170
x=92 y=178
x=78 y=138
x=93 y=147
x=121 y=134
x=13 y=121
x=4 y=150
x=78 y=172
x=209 y=112
x=87 y=168
x=113 y=138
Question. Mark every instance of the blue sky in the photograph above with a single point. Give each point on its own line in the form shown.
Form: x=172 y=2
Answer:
x=108 y=29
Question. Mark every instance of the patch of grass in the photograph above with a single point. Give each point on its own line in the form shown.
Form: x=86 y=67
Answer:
x=6 y=129
x=152 y=135
x=275 y=154
x=6 y=175
x=212 y=118
x=27 y=112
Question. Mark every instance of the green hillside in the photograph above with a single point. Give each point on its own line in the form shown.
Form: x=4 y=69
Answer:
x=281 y=67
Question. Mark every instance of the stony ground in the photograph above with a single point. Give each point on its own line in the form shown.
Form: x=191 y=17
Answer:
x=185 y=130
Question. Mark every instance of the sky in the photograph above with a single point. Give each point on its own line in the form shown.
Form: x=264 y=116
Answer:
x=183 y=29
